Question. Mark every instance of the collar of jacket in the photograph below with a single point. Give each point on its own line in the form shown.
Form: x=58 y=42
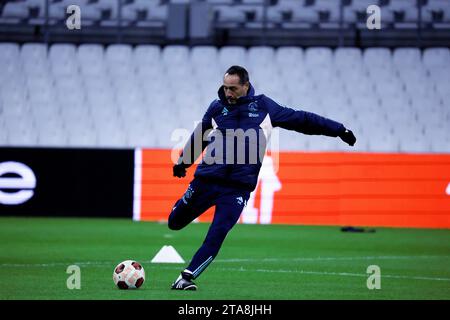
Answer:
x=249 y=97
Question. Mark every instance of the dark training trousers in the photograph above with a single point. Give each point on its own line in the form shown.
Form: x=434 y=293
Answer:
x=198 y=198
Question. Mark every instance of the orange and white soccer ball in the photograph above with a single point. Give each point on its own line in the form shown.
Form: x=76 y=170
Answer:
x=129 y=274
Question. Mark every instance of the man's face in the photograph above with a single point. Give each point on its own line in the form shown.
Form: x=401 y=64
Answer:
x=233 y=89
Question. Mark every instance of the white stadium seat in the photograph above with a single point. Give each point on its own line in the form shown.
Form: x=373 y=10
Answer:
x=229 y=14
x=90 y=68
x=62 y=52
x=90 y=52
x=232 y=55
x=320 y=57
x=347 y=58
x=13 y=12
x=407 y=58
x=436 y=57
x=175 y=55
x=147 y=55
x=118 y=53
x=9 y=51
x=377 y=57
x=260 y=56
x=289 y=55
x=203 y=55
x=33 y=52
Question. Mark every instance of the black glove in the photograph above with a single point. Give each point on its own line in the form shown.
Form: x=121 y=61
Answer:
x=179 y=170
x=348 y=137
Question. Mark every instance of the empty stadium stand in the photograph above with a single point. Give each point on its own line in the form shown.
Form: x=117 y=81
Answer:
x=121 y=96
x=232 y=11
x=231 y=22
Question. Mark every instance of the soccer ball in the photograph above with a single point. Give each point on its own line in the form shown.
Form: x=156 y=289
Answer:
x=129 y=274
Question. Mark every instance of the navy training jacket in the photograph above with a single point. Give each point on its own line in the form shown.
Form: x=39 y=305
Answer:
x=250 y=112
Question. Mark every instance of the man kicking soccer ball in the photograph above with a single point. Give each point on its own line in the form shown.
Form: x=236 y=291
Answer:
x=227 y=175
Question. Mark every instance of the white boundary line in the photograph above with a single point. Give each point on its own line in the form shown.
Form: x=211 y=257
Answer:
x=334 y=274
x=299 y=271
x=105 y=262
x=137 y=184
x=242 y=269
x=330 y=258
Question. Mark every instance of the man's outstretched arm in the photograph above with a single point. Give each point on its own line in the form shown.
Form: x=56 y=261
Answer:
x=307 y=122
x=191 y=151
x=195 y=145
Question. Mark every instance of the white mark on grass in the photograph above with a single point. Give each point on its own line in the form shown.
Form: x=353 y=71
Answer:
x=106 y=262
x=320 y=273
x=346 y=274
x=56 y=264
x=242 y=269
x=329 y=258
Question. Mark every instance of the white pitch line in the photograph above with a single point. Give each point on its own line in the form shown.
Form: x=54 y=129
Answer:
x=81 y=263
x=322 y=273
x=55 y=264
x=345 y=274
x=335 y=274
x=330 y=258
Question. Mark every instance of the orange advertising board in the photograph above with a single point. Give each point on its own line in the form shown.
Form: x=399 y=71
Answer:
x=357 y=189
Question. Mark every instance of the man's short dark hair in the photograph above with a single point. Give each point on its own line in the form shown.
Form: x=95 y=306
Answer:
x=241 y=72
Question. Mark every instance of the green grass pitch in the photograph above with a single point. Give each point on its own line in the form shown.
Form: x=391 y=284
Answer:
x=256 y=262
